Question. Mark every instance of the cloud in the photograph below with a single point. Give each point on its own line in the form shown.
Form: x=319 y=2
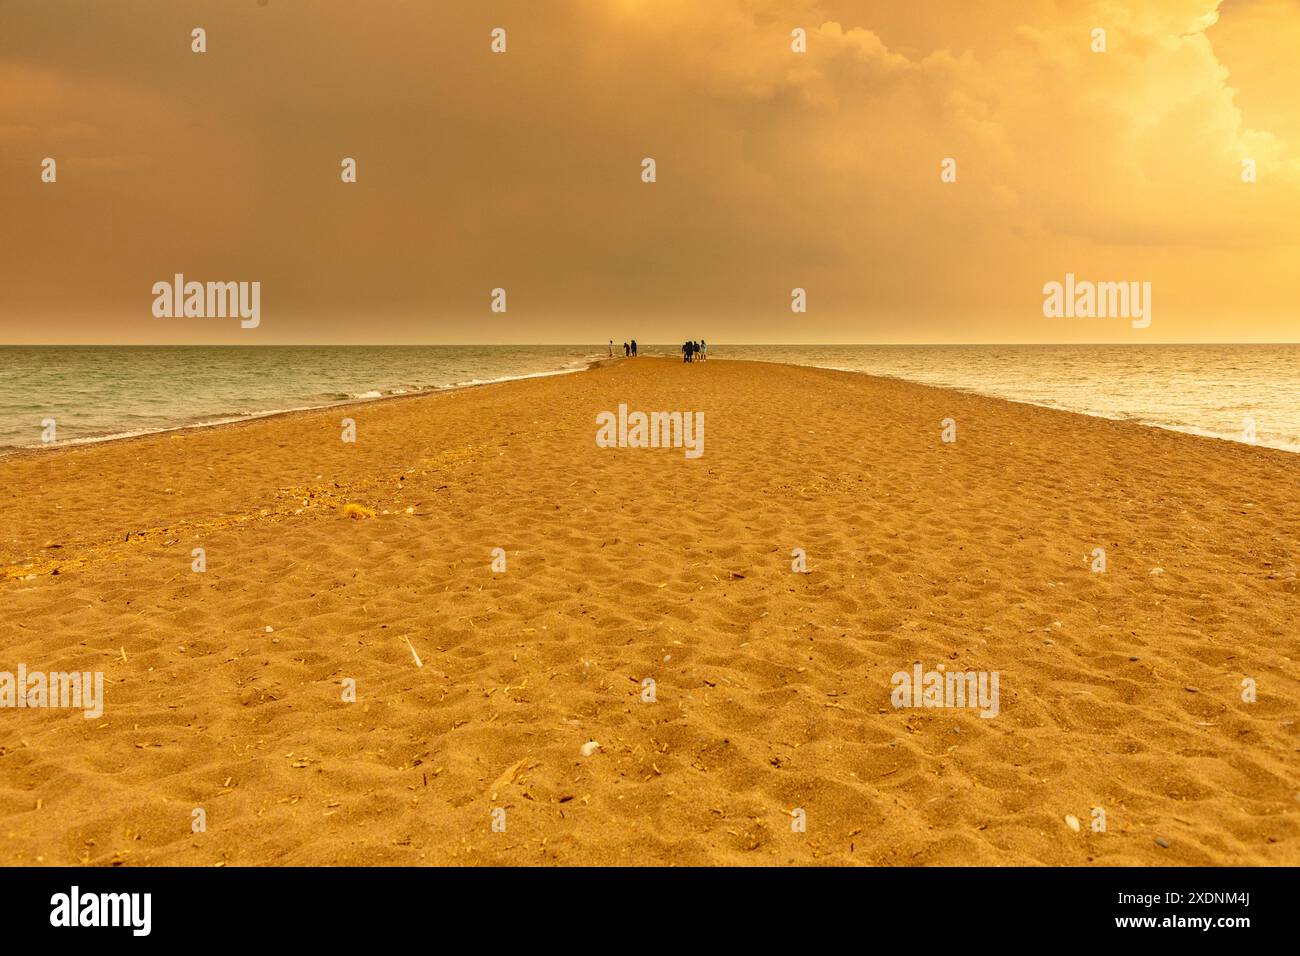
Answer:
x=775 y=169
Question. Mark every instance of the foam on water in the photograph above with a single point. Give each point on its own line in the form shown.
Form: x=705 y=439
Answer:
x=97 y=393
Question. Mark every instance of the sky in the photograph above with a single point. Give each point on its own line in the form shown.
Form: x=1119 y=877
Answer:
x=775 y=169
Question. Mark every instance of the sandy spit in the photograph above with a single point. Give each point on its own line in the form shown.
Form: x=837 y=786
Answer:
x=769 y=734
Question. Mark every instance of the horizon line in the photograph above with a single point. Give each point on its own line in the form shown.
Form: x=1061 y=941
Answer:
x=399 y=345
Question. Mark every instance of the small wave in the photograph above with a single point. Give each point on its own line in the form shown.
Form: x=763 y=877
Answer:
x=325 y=400
x=1280 y=442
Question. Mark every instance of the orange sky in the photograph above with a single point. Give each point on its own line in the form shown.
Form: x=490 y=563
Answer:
x=775 y=169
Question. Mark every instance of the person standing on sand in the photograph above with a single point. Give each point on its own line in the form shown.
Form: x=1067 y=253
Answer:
x=626 y=351
x=686 y=351
x=634 y=348
x=611 y=348
x=704 y=351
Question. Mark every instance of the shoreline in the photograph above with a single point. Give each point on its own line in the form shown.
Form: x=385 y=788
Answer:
x=1191 y=431
x=1194 y=431
x=27 y=451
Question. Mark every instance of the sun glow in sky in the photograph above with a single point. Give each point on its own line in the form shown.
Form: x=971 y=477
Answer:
x=775 y=169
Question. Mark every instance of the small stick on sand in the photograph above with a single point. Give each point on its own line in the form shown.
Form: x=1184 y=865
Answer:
x=418 y=662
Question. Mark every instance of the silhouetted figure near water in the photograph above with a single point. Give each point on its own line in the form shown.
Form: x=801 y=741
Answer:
x=634 y=348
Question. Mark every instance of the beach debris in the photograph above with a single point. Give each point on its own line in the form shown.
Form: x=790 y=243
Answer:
x=1191 y=690
x=270 y=629
x=357 y=512
x=1072 y=822
x=418 y=662
x=1161 y=841
x=1157 y=570
x=508 y=775
x=589 y=748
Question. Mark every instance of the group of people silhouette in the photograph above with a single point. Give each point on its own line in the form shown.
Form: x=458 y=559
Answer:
x=692 y=351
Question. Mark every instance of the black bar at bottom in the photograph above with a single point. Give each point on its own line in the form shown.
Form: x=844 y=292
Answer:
x=508 y=908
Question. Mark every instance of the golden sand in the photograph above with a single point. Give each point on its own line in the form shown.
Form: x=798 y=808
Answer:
x=1119 y=690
